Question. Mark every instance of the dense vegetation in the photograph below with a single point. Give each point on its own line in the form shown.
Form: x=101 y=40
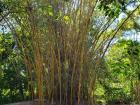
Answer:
x=70 y=52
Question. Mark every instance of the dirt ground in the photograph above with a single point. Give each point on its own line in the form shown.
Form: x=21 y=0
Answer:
x=28 y=103
x=34 y=102
x=24 y=103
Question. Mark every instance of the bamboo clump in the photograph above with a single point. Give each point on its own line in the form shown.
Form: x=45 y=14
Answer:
x=64 y=57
